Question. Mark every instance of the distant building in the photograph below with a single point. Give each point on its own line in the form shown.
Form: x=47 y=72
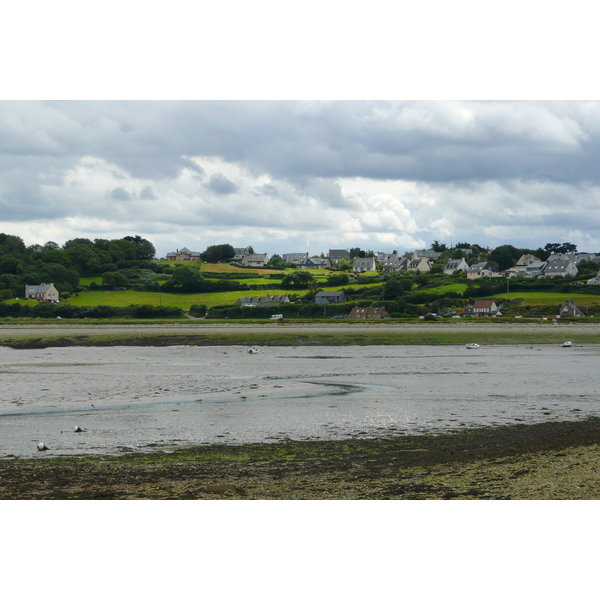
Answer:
x=335 y=256
x=570 y=309
x=268 y=300
x=560 y=268
x=45 y=292
x=241 y=252
x=482 y=308
x=454 y=265
x=183 y=254
x=482 y=269
x=330 y=297
x=362 y=265
x=255 y=260
x=313 y=263
x=295 y=257
x=370 y=312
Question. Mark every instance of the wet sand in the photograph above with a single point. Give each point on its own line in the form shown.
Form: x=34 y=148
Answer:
x=130 y=399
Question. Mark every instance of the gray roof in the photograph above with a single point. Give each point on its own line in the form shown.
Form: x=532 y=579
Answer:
x=295 y=256
x=330 y=294
x=37 y=289
x=337 y=254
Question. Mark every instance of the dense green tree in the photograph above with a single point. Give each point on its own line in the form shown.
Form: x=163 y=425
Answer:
x=115 y=279
x=297 y=279
x=505 y=256
x=145 y=249
x=218 y=253
x=276 y=261
x=338 y=279
x=186 y=279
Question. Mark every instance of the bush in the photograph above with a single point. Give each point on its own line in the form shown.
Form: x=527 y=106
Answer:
x=198 y=310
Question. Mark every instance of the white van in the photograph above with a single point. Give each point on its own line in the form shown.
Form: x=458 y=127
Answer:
x=276 y=317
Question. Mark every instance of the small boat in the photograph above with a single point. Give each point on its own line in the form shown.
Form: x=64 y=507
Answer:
x=253 y=350
x=472 y=346
x=567 y=344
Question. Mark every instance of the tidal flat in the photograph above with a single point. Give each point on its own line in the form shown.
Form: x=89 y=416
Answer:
x=303 y=421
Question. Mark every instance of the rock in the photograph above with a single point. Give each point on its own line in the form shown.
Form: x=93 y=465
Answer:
x=77 y=429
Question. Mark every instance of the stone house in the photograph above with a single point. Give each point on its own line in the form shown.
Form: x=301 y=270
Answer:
x=45 y=292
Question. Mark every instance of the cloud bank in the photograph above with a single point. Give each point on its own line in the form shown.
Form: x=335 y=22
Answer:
x=302 y=176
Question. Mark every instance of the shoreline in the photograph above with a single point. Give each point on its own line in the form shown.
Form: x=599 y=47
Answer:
x=293 y=334
x=558 y=460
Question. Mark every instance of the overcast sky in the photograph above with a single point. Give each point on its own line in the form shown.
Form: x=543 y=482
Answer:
x=293 y=173
x=285 y=176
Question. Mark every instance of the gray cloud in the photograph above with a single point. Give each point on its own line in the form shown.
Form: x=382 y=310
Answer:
x=478 y=168
x=221 y=185
x=120 y=193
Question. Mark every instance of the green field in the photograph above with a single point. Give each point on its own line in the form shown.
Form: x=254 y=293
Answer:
x=89 y=280
x=453 y=287
x=549 y=298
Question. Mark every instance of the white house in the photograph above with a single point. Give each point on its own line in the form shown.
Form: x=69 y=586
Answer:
x=362 y=265
x=454 y=265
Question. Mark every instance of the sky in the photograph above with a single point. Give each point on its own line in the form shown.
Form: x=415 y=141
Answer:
x=267 y=126
x=302 y=176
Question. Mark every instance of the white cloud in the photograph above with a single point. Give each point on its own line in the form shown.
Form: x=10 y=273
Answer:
x=289 y=175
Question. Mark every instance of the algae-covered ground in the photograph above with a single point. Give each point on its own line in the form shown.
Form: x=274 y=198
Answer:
x=545 y=461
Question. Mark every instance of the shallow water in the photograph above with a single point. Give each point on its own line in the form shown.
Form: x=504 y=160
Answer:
x=139 y=398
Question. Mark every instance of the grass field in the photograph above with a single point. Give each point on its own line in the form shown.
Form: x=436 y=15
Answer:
x=453 y=287
x=548 y=298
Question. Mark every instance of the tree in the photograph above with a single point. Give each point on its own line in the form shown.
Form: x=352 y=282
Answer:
x=276 y=261
x=505 y=256
x=186 y=279
x=560 y=248
x=297 y=279
x=146 y=250
x=215 y=254
x=115 y=279
x=437 y=247
x=338 y=279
